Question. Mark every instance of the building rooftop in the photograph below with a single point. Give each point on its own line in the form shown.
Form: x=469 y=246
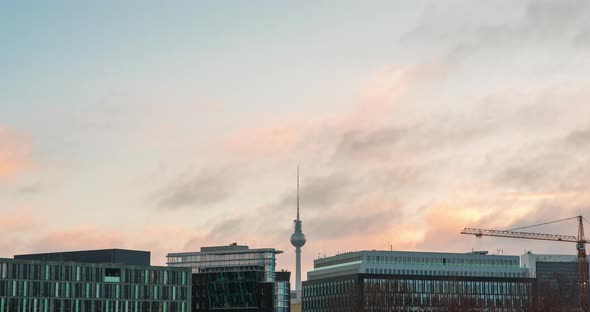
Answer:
x=85 y=264
x=115 y=256
x=228 y=249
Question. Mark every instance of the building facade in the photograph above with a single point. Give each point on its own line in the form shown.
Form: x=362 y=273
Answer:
x=50 y=286
x=557 y=279
x=121 y=256
x=414 y=281
x=234 y=277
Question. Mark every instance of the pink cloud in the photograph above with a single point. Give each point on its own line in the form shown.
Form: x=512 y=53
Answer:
x=19 y=220
x=158 y=239
x=14 y=153
x=271 y=139
x=79 y=238
x=375 y=107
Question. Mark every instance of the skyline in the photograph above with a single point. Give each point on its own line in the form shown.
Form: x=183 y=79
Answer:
x=171 y=127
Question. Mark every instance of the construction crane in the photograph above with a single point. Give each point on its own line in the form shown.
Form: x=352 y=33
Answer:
x=580 y=241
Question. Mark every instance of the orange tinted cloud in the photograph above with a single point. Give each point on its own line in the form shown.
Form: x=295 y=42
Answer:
x=374 y=108
x=269 y=139
x=80 y=238
x=14 y=153
x=19 y=220
x=538 y=195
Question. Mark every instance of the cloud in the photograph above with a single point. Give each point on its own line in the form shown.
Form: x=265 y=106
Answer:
x=19 y=221
x=582 y=40
x=14 y=153
x=269 y=139
x=365 y=144
x=426 y=150
x=31 y=189
x=318 y=191
x=208 y=187
x=555 y=166
x=24 y=233
x=579 y=138
x=443 y=224
x=367 y=218
x=228 y=229
x=466 y=28
x=252 y=151
x=82 y=237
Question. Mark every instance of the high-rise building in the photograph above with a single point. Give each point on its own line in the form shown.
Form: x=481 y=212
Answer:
x=391 y=280
x=298 y=241
x=235 y=278
x=59 y=286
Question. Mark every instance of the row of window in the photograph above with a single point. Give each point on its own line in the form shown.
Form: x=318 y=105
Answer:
x=254 y=257
x=324 y=263
x=313 y=275
x=444 y=273
x=91 y=290
x=282 y=298
x=412 y=302
x=419 y=286
x=72 y=272
x=380 y=293
x=468 y=261
x=73 y=305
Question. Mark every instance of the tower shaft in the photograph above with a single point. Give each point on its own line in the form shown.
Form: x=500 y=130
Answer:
x=298 y=272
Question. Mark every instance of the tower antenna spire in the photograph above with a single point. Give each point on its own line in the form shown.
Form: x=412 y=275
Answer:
x=297 y=192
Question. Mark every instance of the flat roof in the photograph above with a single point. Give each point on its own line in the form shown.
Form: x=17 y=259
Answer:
x=224 y=252
x=89 y=264
x=77 y=251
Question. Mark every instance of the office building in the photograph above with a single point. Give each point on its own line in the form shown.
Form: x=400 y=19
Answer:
x=58 y=286
x=556 y=276
x=550 y=267
x=377 y=280
x=121 y=256
x=235 y=277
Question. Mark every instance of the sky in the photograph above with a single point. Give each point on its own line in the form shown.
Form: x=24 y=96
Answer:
x=172 y=126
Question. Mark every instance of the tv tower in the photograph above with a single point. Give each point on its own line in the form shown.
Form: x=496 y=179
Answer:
x=297 y=240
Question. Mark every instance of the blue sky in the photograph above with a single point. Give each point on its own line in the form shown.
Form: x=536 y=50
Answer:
x=172 y=126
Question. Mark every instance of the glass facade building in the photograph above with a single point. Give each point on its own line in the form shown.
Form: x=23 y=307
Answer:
x=234 y=278
x=557 y=279
x=385 y=292
x=418 y=263
x=414 y=281
x=48 y=286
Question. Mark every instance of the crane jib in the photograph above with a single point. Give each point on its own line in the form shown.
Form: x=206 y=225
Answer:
x=580 y=240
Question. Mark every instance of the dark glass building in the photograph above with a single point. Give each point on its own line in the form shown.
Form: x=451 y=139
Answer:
x=235 y=278
x=121 y=256
x=50 y=286
x=388 y=292
x=557 y=279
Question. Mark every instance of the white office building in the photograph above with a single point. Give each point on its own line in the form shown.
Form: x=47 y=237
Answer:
x=474 y=264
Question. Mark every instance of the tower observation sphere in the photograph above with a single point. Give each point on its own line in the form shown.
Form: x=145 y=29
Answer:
x=298 y=238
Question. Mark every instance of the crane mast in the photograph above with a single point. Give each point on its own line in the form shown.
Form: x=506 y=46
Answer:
x=582 y=265
x=580 y=241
